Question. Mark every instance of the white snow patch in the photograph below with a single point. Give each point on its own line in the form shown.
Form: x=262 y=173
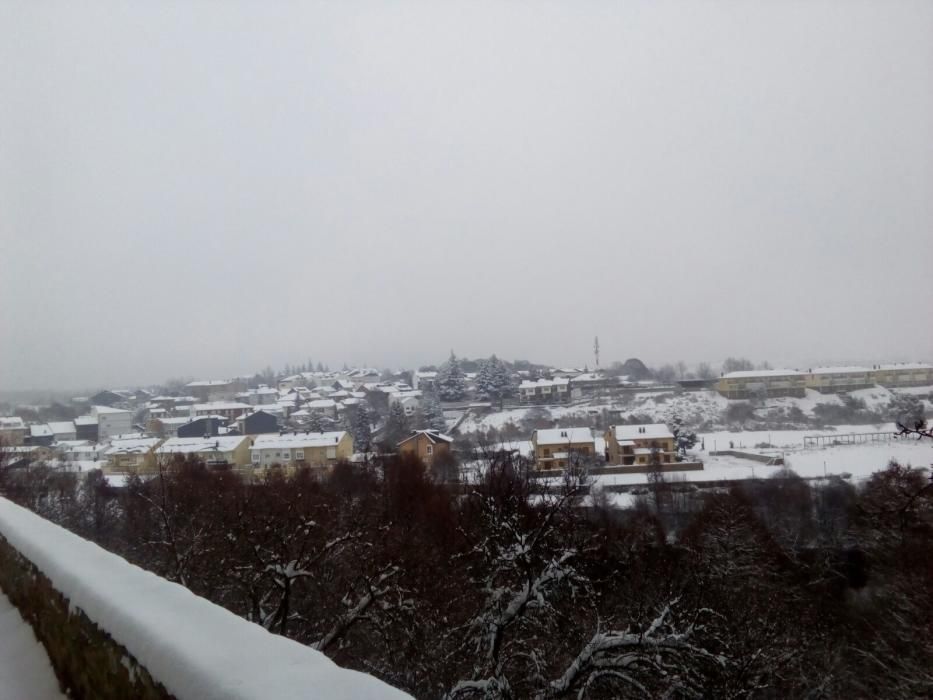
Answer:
x=25 y=670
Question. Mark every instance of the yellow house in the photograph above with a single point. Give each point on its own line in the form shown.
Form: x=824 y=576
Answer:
x=134 y=454
x=13 y=430
x=223 y=450
x=301 y=449
x=636 y=444
x=426 y=444
x=766 y=382
x=556 y=448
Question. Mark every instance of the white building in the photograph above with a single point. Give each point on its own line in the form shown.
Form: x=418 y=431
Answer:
x=63 y=430
x=424 y=380
x=410 y=401
x=544 y=391
x=111 y=421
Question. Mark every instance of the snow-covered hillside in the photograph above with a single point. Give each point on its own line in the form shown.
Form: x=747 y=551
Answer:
x=704 y=410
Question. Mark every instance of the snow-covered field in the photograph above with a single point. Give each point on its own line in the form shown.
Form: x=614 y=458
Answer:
x=782 y=440
x=25 y=671
x=856 y=462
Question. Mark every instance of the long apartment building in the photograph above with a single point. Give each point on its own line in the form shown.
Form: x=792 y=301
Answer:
x=826 y=380
x=298 y=449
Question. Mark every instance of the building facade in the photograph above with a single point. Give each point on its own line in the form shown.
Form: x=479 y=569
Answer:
x=544 y=391
x=221 y=451
x=297 y=449
x=558 y=448
x=762 y=384
x=640 y=444
x=427 y=445
x=111 y=422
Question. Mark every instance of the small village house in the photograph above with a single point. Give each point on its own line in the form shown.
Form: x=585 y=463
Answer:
x=558 y=448
x=638 y=444
x=427 y=445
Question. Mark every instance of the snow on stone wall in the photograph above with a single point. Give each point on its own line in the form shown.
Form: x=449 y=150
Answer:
x=195 y=649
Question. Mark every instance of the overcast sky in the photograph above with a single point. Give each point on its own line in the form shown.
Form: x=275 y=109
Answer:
x=205 y=188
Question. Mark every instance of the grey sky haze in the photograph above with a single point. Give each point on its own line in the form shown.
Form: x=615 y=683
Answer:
x=204 y=188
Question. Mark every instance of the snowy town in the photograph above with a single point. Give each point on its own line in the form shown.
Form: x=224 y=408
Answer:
x=703 y=429
x=466 y=350
x=646 y=451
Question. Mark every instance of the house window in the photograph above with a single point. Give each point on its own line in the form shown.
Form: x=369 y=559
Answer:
x=430 y=449
x=547 y=451
x=300 y=454
x=331 y=453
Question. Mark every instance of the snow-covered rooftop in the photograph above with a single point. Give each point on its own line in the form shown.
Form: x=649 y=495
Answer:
x=432 y=435
x=563 y=436
x=754 y=373
x=650 y=431
x=842 y=369
x=529 y=384
x=133 y=446
x=221 y=406
x=40 y=430
x=209 y=382
x=60 y=427
x=12 y=423
x=906 y=366
x=222 y=443
x=299 y=440
x=98 y=410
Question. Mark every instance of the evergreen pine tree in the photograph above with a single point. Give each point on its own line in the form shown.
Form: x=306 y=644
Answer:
x=396 y=428
x=684 y=438
x=432 y=416
x=494 y=380
x=316 y=422
x=361 y=428
x=451 y=380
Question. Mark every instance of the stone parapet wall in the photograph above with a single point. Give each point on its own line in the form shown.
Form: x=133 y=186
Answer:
x=87 y=661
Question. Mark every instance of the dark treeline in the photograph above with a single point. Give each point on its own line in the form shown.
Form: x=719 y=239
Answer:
x=774 y=589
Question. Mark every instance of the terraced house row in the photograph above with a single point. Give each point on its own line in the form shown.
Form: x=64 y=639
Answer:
x=826 y=380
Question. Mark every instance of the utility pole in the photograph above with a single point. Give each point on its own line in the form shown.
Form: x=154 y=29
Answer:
x=596 y=350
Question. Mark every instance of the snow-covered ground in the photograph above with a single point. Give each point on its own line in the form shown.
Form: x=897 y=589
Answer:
x=25 y=671
x=781 y=439
x=856 y=462
x=694 y=408
x=853 y=462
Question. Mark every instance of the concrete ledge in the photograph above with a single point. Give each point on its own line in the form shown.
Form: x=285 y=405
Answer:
x=86 y=660
x=623 y=469
x=113 y=630
x=763 y=459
